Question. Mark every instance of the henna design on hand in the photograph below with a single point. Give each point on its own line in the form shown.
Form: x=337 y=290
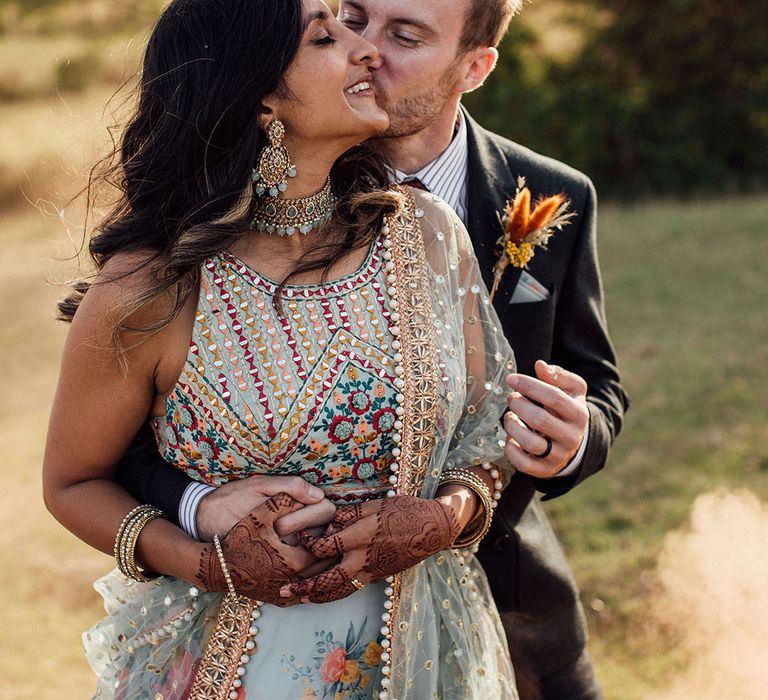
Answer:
x=330 y=546
x=328 y=586
x=399 y=534
x=343 y=518
x=409 y=530
x=252 y=552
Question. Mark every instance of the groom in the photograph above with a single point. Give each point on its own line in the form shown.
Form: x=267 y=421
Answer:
x=432 y=52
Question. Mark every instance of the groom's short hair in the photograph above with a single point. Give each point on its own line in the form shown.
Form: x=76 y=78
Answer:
x=487 y=22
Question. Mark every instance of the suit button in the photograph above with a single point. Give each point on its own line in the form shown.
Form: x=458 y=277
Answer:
x=503 y=542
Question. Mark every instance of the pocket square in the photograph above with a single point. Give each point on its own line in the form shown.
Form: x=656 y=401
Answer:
x=529 y=289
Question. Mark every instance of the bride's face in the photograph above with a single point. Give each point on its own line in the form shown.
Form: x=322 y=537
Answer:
x=330 y=98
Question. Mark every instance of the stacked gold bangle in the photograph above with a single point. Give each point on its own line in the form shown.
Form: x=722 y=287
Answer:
x=127 y=536
x=481 y=523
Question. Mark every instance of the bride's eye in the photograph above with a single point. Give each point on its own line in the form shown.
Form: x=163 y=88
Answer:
x=325 y=40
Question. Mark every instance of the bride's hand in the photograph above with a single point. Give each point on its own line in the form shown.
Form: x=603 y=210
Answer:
x=375 y=540
x=259 y=562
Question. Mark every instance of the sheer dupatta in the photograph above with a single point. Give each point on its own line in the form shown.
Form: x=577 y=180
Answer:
x=448 y=641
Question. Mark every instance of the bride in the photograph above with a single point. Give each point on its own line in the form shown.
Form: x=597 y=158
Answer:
x=274 y=306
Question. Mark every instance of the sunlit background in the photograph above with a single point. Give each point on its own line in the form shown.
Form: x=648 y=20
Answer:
x=665 y=105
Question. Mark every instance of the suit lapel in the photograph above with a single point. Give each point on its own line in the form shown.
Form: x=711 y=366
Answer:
x=490 y=183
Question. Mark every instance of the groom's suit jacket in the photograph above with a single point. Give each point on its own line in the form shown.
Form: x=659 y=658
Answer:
x=530 y=579
x=528 y=574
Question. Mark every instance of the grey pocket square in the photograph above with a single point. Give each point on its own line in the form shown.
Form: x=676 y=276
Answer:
x=529 y=289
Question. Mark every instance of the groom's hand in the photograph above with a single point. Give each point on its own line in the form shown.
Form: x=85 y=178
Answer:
x=547 y=420
x=220 y=510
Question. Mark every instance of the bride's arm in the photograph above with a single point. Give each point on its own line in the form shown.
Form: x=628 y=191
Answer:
x=100 y=404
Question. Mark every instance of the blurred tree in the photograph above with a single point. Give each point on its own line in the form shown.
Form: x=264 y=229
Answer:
x=661 y=97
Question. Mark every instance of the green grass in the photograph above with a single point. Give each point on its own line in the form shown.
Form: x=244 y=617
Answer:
x=687 y=294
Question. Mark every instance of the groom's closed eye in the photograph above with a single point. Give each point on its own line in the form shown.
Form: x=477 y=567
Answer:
x=353 y=23
x=354 y=19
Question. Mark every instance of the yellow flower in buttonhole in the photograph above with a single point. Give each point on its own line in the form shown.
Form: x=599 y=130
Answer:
x=372 y=655
x=519 y=255
x=351 y=672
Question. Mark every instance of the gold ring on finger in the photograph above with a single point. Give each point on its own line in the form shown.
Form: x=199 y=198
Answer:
x=357 y=584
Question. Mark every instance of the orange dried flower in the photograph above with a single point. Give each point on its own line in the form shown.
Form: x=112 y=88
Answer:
x=544 y=211
x=517 y=215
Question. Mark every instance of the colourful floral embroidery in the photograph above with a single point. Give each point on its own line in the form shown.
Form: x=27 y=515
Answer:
x=364 y=469
x=342 y=428
x=345 y=670
x=384 y=420
x=359 y=402
x=349 y=450
x=313 y=476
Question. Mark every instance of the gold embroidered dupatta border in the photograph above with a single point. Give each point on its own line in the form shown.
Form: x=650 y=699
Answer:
x=218 y=667
x=417 y=339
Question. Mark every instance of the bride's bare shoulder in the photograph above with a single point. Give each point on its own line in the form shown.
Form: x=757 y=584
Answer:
x=123 y=293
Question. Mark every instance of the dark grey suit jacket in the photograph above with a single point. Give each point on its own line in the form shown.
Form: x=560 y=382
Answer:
x=530 y=579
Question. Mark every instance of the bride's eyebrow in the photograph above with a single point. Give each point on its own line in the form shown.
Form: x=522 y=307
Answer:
x=321 y=15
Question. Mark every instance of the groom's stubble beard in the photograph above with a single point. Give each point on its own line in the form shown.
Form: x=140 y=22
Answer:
x=417 y=111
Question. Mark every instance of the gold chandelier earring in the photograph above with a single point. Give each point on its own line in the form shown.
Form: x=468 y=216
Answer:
x=275 y=165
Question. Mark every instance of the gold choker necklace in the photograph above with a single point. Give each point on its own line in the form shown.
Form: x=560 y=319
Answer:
x=288 y=216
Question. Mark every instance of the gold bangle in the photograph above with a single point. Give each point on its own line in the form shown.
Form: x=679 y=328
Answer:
x=472 y=534
x=223 y=562
x=125 y=540
x=132 y=536
x=127 y=537
x=120 y=538
x=128 y=549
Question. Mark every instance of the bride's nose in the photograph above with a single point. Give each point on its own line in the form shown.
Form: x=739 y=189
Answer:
x=365 y=53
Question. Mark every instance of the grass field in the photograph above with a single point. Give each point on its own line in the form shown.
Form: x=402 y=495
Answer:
x=686 y=293
x=687 y=298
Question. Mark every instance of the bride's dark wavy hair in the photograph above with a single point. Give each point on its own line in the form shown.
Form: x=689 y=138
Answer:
x=183 y=165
